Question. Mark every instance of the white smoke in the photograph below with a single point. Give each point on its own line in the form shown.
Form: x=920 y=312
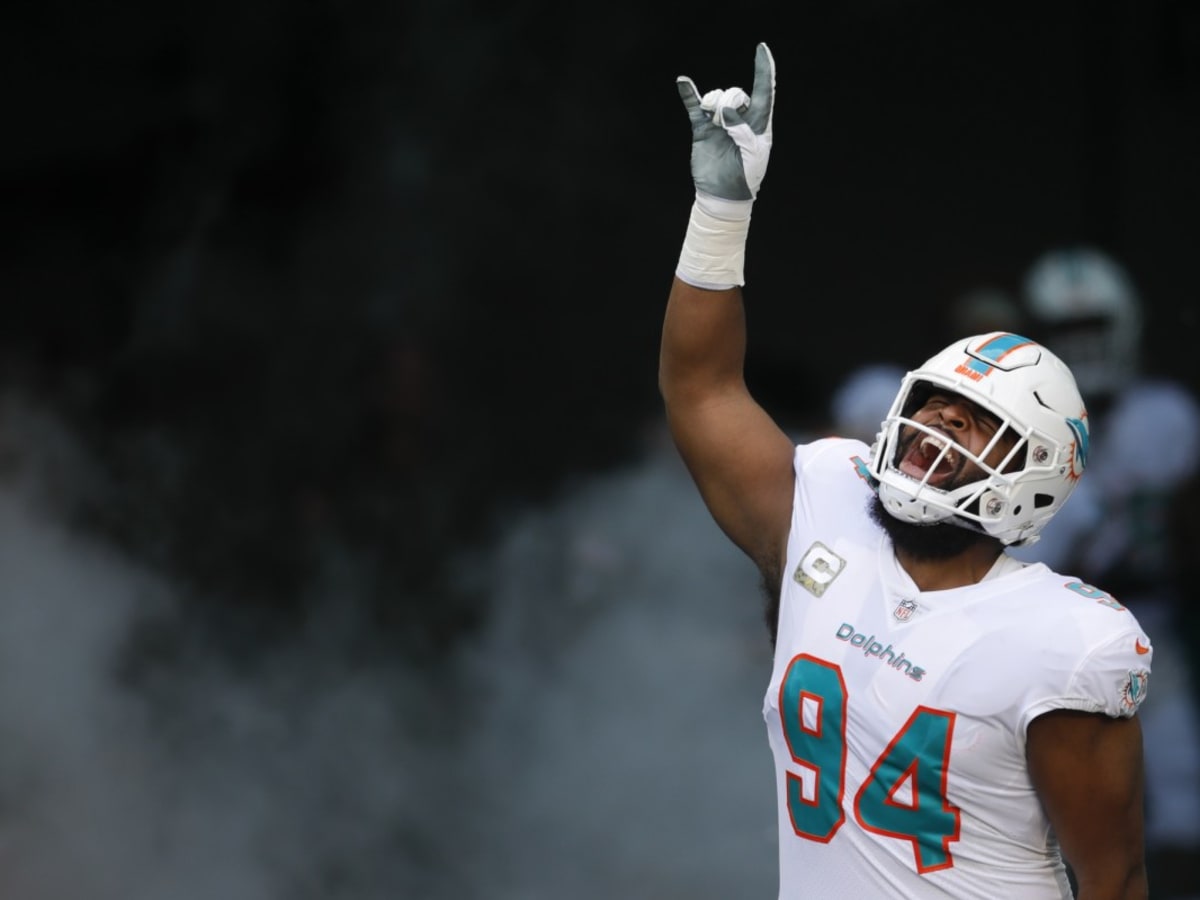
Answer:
x=621 y=750
x=601 y=738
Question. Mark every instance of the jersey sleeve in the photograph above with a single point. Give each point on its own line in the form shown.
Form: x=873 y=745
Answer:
x=1112 y=679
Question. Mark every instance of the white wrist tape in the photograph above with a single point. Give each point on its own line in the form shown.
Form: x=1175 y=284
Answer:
x=714 y=248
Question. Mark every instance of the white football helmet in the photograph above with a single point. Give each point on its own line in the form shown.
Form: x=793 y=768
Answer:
x=1033 y=394
x=1090 y=314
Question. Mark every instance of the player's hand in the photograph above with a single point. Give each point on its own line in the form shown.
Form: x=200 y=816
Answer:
x=731 y=133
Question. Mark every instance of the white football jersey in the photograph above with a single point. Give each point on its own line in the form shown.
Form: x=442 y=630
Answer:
x=897 y=717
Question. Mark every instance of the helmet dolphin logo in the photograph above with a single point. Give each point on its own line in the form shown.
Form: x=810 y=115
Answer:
x=1082 y=444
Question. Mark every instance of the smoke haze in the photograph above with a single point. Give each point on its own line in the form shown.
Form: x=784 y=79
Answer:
x=600 y=737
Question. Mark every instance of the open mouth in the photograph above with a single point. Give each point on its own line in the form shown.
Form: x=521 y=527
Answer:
x=930 y=459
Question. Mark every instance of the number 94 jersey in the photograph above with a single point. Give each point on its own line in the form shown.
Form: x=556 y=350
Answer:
x=897 y=717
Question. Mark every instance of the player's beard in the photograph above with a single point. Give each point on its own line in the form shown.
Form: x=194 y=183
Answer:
x=941 y=540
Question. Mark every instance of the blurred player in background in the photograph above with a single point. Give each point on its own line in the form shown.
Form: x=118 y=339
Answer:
x=1117 y=529
x=982 y=309
x=860 y=403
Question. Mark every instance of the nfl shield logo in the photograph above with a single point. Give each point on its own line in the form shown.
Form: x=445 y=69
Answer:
x=904 y=609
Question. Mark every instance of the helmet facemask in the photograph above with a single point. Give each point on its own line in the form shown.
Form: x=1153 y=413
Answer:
x=968 y=503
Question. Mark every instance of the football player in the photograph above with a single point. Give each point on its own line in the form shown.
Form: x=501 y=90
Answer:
x=946 y=720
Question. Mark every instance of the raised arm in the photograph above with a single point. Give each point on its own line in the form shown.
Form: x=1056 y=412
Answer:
x=1087 y=770
x=739 y=457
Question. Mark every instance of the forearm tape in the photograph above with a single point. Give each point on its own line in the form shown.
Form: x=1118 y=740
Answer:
x=714 y=248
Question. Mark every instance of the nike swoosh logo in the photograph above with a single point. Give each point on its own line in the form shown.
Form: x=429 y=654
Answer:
x=1141 y=648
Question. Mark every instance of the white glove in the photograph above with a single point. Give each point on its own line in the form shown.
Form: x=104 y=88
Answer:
x=731 y=133
x=731 y=144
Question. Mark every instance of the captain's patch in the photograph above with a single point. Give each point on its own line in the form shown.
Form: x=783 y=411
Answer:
x=818 y=568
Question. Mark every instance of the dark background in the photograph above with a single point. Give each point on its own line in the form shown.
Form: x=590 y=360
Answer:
x=373 y=276
x=341 y=551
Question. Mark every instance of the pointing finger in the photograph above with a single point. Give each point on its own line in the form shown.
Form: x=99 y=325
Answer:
x=762 y=94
